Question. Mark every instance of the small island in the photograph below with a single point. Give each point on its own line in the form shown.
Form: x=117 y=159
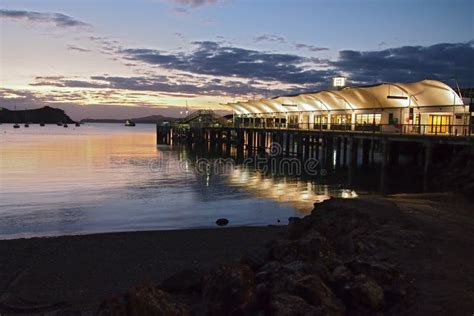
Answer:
x=46 y=115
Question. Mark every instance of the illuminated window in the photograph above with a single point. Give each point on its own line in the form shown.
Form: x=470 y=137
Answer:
x=368 y=119
x=341 y=119
x=338 y=82
x=321 y=119
x=439 y=123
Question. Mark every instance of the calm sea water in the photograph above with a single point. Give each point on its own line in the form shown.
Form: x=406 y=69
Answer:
x=107 y=177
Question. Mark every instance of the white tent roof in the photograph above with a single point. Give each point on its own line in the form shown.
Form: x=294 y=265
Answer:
x=385 y=95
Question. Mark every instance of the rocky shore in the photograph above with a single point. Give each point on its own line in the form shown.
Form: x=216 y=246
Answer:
x=346 y=258
x=403 y=254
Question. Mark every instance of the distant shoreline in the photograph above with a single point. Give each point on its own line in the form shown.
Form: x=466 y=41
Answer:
x=113 y=122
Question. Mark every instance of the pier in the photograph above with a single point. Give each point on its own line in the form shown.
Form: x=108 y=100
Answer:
x=333 y=148
x=385 y=125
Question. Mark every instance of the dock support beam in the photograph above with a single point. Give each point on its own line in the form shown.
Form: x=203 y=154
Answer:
x=383 y=170
x=428 y=155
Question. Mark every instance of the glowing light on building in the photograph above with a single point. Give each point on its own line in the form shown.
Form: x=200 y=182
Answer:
x=339 y=82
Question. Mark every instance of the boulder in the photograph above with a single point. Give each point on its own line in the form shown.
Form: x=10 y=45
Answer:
x=229 y=290
x=341 y=275
x=295 y=227
x=143 y=300
x=289 y=305
x=365 y=293
x=187 y=280
x=253 y=258
x=315 y=292
x=222 y=222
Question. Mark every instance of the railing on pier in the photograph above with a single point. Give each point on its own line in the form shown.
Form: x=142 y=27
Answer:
x=415 y=129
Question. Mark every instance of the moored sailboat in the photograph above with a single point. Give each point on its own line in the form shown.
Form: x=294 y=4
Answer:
x=16 y=125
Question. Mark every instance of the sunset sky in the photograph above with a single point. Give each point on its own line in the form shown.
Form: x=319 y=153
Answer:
x=121 y=59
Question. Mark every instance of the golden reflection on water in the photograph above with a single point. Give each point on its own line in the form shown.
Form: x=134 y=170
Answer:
x=71 y=158
x=97 y=178
x=300 y=194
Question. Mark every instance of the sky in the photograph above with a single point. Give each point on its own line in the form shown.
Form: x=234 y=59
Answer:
x=123 y=59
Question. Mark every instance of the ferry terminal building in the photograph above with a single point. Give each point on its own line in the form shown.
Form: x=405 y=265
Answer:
x=424 y=107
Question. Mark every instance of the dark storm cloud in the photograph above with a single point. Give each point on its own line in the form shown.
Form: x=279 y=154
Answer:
x=410 y=63
x=210 y=58
x=59 y=19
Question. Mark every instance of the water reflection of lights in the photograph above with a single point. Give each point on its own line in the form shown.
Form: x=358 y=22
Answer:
x=348 y=194
x=301 y=194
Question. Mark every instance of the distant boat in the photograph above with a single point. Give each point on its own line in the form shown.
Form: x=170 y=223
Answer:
x=26 y=122
x=16 y=125
x=65 y=125
x=78 y=124
x=59 y=123
x=42 y=124
x=129 y=123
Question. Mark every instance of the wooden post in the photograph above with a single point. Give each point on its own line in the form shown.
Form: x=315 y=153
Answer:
x=394 y=153
x=346 y=144
x=338 y=151
x=354 y=151
x=317 y=146
x=383 y=169
x=306 y=147
x=428 y=156
x=287 y=143
x=365 y=151
x=249 y=140
x=329 y=153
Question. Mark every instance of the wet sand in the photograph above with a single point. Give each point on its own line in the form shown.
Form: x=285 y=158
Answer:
x=83 y=270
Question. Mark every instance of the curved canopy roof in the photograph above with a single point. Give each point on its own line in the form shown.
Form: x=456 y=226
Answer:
x=385 y=95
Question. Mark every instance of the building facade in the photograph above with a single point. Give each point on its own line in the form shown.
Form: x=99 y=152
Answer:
x=424 y=107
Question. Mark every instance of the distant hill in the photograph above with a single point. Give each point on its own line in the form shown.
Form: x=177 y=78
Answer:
x=47 y=115
x=146 y=119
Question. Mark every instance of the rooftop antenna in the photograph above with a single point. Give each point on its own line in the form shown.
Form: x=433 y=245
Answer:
x=457 y=86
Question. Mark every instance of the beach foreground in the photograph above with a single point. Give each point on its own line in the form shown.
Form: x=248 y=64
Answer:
x=396 y=254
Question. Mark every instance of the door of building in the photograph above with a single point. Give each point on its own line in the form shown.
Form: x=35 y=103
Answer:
x=439 y=124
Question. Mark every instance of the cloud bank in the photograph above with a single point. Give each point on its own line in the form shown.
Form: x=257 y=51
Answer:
x=58 y=19
x=211 y=58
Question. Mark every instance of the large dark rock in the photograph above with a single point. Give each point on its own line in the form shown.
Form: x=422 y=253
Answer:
x=253 y=258
x=230 y=290
x=222 y=222
x=184 y=281
x=296 y=227
x=144 y=300
x=364 y=294
x=310 y=246
x=315 y=292
x=289 y=305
